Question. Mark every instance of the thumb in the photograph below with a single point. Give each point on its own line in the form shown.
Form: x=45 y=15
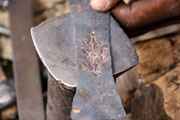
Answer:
x=103 y=5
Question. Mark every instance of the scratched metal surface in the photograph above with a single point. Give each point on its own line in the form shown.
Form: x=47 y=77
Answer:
x=58 y=34
x=123 y=54
x=96 y=96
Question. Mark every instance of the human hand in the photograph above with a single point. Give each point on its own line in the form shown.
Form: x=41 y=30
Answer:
x=139 y=13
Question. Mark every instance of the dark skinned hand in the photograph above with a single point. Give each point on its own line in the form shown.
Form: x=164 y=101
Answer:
x=139 y=13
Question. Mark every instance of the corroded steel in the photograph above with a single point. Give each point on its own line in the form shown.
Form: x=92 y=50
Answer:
x=96 y=97
x=57 y=34
x=103 y=45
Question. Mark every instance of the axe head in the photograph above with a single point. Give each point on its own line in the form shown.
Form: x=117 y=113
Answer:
x=55 y=43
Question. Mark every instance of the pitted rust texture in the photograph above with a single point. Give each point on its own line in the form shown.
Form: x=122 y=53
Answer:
x=94 y=99
x=94 y=54
x=83 y=95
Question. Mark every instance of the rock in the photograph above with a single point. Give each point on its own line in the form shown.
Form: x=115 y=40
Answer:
x=175 y=41
x=160 y=100
x=169 y=84
x=58 y=9
x=4 y=18
x=10 y=113
x=156 y=59
x=5 y=48
x=148 y=104
x=42 y=5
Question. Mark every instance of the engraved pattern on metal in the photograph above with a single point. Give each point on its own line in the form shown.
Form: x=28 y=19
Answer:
x=94 y=53
x=57 y=33
x=96 y=96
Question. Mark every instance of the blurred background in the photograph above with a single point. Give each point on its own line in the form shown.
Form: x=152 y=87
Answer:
x=148 y=91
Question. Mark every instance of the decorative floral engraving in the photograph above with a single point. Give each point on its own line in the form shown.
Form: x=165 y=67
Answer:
x=95 y=54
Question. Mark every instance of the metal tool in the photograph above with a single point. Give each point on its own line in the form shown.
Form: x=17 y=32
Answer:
x=64 y=56
x=60 y=59
x=96 y=97
x=25 y=62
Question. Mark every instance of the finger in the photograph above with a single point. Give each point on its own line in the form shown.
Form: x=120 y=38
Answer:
x=103 y=5
x=128 y=1
x=146 y=12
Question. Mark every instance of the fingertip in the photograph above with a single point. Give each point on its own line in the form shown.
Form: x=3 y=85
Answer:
x=103 y=5
x=99 y=5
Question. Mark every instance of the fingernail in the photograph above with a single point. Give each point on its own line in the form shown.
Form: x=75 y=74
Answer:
x=99 y=4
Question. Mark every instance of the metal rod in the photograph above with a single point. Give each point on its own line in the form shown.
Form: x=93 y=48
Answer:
x=25 y=62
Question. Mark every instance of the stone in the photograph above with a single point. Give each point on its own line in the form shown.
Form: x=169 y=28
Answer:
x=169 y=84
x=10 y=113
x=51 y=10
x=156 y=59
x=175 y=41
x=148 y=104
x=6 y=48
x=4 y=18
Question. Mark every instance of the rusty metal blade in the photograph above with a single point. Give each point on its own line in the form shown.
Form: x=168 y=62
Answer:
x=96 y=97
x=25 y=62
x=123 y=53
x=58 y=34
